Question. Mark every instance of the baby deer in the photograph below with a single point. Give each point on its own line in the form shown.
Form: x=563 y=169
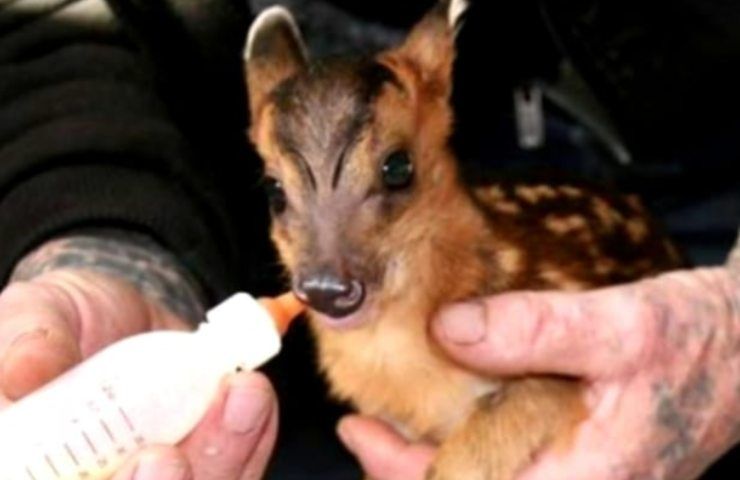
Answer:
x=378 y=232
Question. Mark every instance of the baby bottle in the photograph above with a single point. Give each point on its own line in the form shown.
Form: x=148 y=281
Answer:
x=148 y=389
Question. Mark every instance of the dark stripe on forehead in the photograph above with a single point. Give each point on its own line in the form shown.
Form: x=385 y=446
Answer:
x=351 y=137
x=375 y=76
x=303 y=166
x=322 y=111
x=366 y=77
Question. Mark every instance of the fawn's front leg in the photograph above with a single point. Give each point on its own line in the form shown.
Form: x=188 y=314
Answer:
x=508 y=429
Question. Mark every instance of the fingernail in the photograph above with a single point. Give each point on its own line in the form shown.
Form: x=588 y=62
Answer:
x=153 y=468
x=247 y=408
x=26 y=336
x=32 y=359
x=463 y=323
x=53 y=341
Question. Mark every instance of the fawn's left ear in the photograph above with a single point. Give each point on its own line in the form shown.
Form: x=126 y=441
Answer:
x=274 y=52
x=430 y=47
x=455 y=11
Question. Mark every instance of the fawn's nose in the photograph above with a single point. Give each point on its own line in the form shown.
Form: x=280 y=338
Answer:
x=330 y=294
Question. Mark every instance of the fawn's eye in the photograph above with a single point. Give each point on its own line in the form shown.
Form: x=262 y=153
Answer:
x=275 y=195
x=398 y=171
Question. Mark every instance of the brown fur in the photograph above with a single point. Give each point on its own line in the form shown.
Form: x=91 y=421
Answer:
x=323 y=131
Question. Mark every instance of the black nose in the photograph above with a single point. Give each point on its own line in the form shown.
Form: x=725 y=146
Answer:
x=330 y=294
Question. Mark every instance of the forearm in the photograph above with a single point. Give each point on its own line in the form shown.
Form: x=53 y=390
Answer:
x=127 y=256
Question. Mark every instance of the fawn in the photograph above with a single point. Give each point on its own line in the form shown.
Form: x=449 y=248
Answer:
x=376 y=228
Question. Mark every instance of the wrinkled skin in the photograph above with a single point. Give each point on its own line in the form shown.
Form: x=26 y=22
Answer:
x=660 y=358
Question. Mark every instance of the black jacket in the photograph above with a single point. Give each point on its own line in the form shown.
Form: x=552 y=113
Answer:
x=132 y=118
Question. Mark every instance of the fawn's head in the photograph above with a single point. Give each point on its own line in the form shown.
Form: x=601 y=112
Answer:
x=356 y=157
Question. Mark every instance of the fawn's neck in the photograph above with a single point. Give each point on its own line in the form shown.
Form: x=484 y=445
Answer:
x=456 y=259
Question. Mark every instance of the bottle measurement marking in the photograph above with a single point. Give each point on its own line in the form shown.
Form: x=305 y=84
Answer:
x=89 y=443
x=87 y=436
x=71 y=455
x=51 y=466
x=127 y=420
x=108 y=431
x=138 y=438
x=101 y=461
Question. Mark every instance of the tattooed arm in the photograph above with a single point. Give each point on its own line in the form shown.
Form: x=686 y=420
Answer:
x=129 y=257
x=660 y=359
x=74 y=296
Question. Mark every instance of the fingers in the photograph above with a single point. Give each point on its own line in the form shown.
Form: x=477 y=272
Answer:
x=108 y=308
x=383 y=453
x=52 y=322
x=258 y=460
x=235 y=438
x=232 y=442
x=582 y=334
x=37 y=337
x=159 y=463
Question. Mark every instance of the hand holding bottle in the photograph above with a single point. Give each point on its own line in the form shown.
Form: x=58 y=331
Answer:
x=62 y=317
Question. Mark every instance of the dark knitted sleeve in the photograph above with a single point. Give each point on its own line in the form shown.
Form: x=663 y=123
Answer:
x=101 y=127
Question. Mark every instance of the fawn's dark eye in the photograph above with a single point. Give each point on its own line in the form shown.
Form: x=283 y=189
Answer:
x=398 y=171
x=275 y=195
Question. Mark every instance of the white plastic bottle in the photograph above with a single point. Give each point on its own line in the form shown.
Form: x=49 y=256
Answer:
x=151 y=388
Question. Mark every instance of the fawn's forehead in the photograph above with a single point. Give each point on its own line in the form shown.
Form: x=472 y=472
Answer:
x=322 y=109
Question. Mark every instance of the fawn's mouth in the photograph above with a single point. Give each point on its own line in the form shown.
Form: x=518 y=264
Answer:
x=348 y=322
x=356 y=319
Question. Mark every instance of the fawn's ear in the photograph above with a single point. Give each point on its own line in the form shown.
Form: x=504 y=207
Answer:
x=274 y=52
x=430 y=46
x=455 y=10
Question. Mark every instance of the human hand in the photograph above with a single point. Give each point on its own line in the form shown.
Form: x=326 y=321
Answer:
x=660 y=360
x=59 y=318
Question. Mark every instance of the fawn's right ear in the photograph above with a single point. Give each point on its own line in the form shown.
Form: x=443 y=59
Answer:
x=274 y=52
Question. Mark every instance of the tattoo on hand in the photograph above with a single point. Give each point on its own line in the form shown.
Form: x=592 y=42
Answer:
x=675 y=411
x=130 y=257
x=693 y=379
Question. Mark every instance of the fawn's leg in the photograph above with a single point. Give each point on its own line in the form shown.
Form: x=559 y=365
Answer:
x=507 y=430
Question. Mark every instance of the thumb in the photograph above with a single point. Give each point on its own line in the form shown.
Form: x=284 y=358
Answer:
x=38 y=337
x=578 y=334
x=382 y=452
x=60 y=317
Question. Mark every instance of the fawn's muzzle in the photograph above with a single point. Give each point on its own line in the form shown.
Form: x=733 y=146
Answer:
x=329 y=294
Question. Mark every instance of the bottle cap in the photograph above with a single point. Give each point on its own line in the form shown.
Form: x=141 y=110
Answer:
x=283 y=309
